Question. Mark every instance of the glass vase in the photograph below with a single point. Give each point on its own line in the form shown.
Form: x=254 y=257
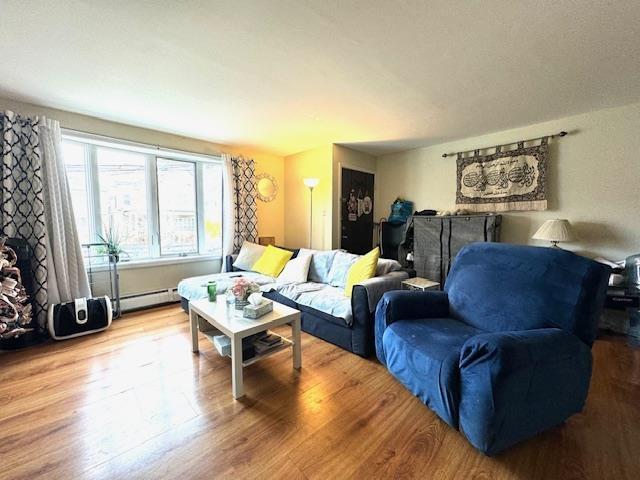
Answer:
x=241 y=303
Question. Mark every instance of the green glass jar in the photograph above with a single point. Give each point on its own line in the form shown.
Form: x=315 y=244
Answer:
x=212 y=291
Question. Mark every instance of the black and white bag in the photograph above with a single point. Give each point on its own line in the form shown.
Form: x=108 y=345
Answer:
x=80 y=317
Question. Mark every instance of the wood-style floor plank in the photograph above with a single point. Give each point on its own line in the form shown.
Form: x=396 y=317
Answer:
x=134 y=402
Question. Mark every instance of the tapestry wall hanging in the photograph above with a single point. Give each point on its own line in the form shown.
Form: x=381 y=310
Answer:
x=504 y=180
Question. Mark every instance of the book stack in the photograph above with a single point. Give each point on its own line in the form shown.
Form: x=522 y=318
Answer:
x=252 y=345
x=267 y=342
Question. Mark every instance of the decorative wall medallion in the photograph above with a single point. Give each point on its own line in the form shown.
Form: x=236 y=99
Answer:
x=267 y=187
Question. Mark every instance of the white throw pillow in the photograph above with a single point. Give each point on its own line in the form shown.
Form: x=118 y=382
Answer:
x=249 y=255
x=307 y=251
x=296 y=270
x=387 y=265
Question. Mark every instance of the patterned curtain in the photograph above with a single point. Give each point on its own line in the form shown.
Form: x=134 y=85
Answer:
x=244 y=198
x=240 y=208
x=22 y=211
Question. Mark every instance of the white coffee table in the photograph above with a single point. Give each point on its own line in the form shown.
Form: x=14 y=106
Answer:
x=213 y=318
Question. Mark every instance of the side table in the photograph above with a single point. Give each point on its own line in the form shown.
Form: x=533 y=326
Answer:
x=419 y=283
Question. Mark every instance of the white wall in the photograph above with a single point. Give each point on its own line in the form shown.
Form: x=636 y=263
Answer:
x=593 y=180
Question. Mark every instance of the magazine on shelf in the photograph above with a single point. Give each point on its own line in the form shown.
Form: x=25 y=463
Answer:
x=267 y=342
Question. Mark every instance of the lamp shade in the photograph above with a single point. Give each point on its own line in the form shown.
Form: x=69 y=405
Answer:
x=311 y=182
x=554 y=231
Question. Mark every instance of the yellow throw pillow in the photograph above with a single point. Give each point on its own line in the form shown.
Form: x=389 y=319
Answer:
x=272 y=261
x=363 y=269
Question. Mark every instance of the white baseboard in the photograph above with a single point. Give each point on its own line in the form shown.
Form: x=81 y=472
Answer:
x=149 y=299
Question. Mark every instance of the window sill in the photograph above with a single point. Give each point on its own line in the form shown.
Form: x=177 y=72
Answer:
x=158 y=262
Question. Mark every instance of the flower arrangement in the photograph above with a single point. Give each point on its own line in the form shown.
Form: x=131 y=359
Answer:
x=241 y=289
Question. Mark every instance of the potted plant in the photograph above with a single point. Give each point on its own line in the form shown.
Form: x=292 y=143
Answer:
x=112 y=243
x=241 y=289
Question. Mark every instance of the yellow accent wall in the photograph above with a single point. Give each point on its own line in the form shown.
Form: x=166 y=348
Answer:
x=316 y=163
x=324 y=163
x=149 y=278
x=593 y=180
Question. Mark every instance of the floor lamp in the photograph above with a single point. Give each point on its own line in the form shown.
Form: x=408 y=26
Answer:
x=311 y=183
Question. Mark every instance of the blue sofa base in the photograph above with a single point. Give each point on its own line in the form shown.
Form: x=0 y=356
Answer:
x=333 y=329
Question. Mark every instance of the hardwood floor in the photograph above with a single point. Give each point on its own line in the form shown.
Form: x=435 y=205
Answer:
x=134 y=402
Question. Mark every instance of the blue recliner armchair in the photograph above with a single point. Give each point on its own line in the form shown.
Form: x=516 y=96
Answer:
x=504 y=352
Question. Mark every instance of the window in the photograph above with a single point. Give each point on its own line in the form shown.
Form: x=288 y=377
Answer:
x=158 y=203
x=177 y=207
x=122 y=183
x=74 y=157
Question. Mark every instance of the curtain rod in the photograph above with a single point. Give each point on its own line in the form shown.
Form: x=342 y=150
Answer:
x=561 y=134
x=97 y=137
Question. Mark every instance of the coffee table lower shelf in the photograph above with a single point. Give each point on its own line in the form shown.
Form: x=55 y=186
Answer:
x=286 y=343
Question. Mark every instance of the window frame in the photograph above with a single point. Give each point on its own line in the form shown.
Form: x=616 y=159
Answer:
x=152 y=153
x=199 y=180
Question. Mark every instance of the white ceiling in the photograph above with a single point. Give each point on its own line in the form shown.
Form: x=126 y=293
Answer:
x=286 y=76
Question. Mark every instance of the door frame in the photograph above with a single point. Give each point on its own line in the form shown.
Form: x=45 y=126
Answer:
x=338 y=197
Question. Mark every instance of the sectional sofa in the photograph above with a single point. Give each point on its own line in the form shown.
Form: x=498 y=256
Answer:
x=326 y=311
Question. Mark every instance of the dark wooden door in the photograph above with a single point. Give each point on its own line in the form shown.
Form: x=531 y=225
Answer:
x=356 y=221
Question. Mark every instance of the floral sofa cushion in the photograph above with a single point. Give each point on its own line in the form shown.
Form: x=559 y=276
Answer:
x=322 y=297
x=320 y=264
x=340 y=267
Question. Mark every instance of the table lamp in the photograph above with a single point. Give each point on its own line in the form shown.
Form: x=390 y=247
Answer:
x=555 y=231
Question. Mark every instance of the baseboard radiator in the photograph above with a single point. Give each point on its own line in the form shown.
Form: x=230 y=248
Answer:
x=140 y=301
